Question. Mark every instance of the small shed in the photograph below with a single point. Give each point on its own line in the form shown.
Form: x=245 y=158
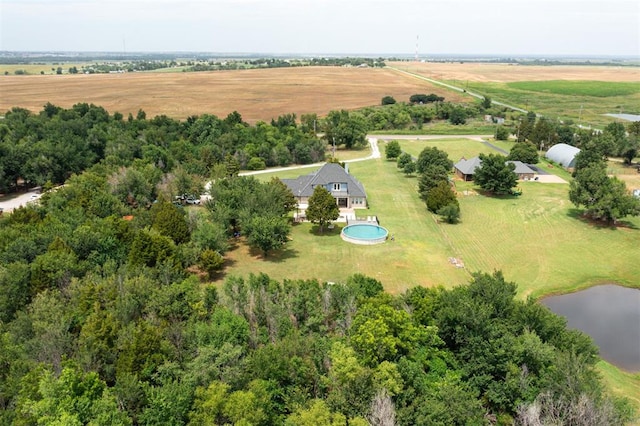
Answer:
x=563 y=154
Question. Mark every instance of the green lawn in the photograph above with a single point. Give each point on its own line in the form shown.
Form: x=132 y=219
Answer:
x=537 y=239
x=456 y=148
x=622 y=383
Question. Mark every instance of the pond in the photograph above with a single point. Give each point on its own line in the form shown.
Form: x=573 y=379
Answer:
x=610 y=314
x=628 y=117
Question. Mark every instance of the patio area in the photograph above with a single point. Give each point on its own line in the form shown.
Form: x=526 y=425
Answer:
x=346 y=216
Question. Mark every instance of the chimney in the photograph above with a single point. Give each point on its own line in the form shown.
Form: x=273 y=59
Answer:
x=346 y=167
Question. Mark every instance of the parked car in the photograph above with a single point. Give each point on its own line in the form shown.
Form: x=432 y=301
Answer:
x=193 y=201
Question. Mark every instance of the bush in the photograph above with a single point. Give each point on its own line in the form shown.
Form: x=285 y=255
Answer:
x=440 y=196
x=211 y=261
x=457 y=116
x=388 y=100
x=256 y=163
x=392 y=150
x=450 y=213
x=502 y=133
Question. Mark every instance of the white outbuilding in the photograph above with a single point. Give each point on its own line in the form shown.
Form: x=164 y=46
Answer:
x=563 y=154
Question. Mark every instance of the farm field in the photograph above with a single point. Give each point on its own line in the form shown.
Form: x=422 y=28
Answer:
x=258 y=95
x=504 y=73
x=580 y=93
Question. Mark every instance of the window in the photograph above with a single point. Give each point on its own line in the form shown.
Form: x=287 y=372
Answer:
x=336 y=187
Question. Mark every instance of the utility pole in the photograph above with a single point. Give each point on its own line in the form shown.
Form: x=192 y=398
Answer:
x=580 y=117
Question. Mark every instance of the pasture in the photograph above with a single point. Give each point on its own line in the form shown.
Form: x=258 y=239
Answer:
x=579 y=93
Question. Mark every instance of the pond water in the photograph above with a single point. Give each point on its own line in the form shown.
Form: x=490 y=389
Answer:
x=610 y=314
x=628 y=117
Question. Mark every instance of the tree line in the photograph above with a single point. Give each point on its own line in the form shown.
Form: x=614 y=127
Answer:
x=615 y=140
x=54 y=144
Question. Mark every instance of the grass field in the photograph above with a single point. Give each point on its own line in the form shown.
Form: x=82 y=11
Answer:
x=599 y=89
x=622 y=383
x=456 y=148
x=580 y=93
x=38 y=68
x=581 y=108
x=629 y=174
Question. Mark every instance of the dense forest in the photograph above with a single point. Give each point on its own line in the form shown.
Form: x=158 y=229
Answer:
x=107 y=314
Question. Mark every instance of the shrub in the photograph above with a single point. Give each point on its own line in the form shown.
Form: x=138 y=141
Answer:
x=388 y=100
x=256 y=163
x=502 y=133
x=450 y=213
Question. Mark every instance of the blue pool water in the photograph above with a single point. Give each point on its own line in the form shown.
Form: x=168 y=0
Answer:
x=365 y=231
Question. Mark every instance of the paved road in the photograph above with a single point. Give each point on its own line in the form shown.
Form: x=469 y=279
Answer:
x=375 y=153
x=375 y=150
x=457 y=89
x=10 y=202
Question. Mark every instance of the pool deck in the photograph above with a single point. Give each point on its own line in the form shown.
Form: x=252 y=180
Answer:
x=348 y=216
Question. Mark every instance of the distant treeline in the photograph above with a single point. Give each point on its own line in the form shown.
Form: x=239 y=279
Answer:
x=55 y=143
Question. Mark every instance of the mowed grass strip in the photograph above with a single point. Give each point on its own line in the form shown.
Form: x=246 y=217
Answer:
x=456 y=148
x=600 y=89
x=621 y=383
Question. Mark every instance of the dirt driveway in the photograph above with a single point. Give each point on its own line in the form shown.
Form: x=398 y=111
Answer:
x=550 y=179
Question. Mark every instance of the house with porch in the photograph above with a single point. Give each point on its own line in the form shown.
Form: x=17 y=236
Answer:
x=347 y=190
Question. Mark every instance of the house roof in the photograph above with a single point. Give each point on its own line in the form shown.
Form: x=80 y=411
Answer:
x=522 y=168
x=563 y=154
x=329 y=173
x=468 y=167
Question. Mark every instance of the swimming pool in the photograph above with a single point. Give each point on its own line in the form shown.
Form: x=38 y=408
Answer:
x=364 y=233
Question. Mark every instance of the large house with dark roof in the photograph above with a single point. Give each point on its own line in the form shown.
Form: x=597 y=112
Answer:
x=347 y=190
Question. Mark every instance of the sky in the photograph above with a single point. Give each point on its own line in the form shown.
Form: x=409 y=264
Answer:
x=467 y=27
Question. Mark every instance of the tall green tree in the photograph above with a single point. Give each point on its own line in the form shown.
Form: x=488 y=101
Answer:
x=603 y=198
x=170 y=221
x=322 y=207
x=345 y=128
x=392 y=150
x=431 y=177
x=432 y=156
x=441 y=195
x=495 y=175
x=525 y=152
x=267 y=233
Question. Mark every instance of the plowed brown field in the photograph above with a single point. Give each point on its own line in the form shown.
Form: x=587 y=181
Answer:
x=504 y=73
x=256 y=94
